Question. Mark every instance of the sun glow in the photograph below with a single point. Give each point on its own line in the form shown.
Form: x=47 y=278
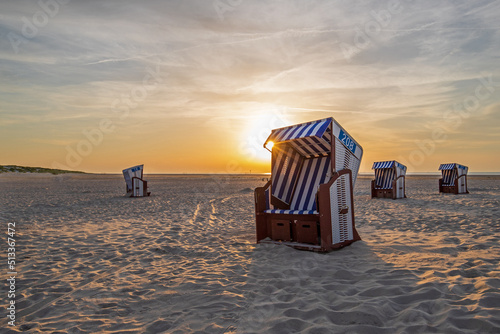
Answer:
x=258 y=129
x=269 y=145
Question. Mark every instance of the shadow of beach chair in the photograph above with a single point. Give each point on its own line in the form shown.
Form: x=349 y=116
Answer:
x=389 y=180
x=308 y=202
x=136 y=186
x=454 y=178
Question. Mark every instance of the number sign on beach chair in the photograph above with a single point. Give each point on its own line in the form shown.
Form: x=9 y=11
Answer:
x=389 y=180
x=308 y=203
x=136 y=186
x=454 y=179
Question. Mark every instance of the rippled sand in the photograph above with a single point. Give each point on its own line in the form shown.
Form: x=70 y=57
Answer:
x=184 y=260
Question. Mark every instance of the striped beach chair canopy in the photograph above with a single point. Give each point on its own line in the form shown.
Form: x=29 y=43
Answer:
x=452 y=166
x=301 y=160
x=312 y=139
x=451 y=171
x=388 y=164
x=132 y=172
x=386 y=172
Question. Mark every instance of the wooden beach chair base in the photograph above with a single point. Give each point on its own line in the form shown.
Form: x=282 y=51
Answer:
x=380 y=192
x=311 y=231
x=139 y=188
x=455 y=187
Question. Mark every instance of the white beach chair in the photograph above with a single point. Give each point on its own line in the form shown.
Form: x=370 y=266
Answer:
x=136 y=186
x=389 y=180
x=308 y=203
x=454 y=178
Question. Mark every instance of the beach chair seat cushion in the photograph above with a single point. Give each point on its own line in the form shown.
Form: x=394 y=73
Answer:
x=293 y=212
x=386 y=187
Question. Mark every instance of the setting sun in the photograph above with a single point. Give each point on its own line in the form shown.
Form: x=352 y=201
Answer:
x=259 y=127
x=270 y=145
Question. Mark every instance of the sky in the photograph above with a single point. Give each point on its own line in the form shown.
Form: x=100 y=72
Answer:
x=197 y=86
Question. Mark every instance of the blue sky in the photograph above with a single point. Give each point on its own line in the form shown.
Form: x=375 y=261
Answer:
x=196 y=86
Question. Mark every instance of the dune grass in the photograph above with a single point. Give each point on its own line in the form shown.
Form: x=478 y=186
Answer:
x=25 y=169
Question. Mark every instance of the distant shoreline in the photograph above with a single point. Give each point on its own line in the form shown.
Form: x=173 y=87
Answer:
x=14 y=169
x=151 y=176
x=26 y=170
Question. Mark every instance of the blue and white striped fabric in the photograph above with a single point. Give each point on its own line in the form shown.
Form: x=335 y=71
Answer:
x=388 y=164
x=314 y=146
x=451 y=166
x=312 y=139
x=286 y=167
x=293 y=212
x=449 y=176
x=451 y=171
x=383 y=164
x=314 y=172
x=384 y=174
x=447 y=166
x=310 y=129
x=301 y=161
x=401 y=166
x=384 y=178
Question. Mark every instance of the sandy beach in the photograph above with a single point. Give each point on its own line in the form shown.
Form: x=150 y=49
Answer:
x=184 y=260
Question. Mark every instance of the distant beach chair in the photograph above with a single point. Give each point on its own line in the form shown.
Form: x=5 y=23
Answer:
x=389 y=180
x=136 y=186
x=308 y=202
x=454 y=178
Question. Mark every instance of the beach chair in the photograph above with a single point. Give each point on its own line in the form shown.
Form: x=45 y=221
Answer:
x=454 y=178
x=308 y=202
x=389 y=180
x=136 y=186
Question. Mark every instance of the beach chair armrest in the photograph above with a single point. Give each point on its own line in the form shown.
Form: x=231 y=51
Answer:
x=395 y=182
x=332 y=208
x=261 y=202
x=399 y=177
x=324 y=190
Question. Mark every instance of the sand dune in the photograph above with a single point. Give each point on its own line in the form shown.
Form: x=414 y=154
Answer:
x=184 y=260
